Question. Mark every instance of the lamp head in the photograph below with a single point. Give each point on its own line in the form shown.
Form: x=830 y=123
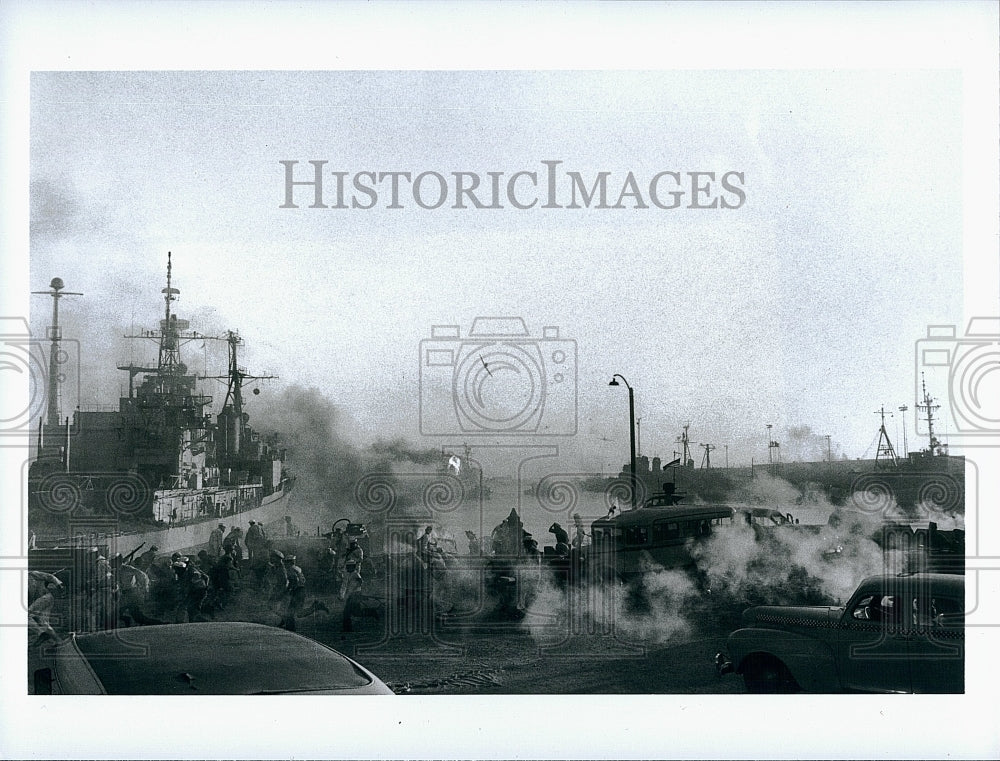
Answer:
x=614 y=382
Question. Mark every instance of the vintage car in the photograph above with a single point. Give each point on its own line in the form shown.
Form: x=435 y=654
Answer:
x=226 y=658
x=658 y=535
x=901 y=633
x=766 y=517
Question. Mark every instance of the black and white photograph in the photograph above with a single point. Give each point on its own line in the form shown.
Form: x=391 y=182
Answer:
x=648 y=379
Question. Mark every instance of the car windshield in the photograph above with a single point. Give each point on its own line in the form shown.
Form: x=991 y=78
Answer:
x=216 y=659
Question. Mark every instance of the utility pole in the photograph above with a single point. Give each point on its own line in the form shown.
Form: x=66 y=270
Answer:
x=706 y=461
x=906 y=452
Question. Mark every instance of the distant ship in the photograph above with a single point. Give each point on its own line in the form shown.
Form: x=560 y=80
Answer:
x=928 y=479
x=158 y=470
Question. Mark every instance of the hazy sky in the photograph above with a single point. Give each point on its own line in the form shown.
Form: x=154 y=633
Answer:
x=799 y=308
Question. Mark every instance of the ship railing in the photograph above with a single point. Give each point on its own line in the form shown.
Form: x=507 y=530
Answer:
x=179 y=506
x=96 y=408
x=81 y=541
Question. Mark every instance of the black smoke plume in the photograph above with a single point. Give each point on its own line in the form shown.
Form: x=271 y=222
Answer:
x=399 y=451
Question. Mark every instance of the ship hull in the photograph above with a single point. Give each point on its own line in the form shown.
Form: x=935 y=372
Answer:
x=181 y=537
x=272 y=510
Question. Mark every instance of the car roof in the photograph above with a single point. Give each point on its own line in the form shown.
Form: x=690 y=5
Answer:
x=230 y=658
x=934 y=583
x=762 y=511
x=645 y=515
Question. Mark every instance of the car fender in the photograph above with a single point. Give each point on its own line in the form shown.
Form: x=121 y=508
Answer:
x=810 y=660
x=73 y=672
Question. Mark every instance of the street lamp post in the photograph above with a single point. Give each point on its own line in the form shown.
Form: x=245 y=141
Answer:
x=631 y=431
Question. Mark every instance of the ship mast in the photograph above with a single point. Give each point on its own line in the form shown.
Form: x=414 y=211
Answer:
x=885 y=453
x=169 y=338
x=935 y=447
x=55 y=353
x=232 y=406
x=685 y=443
x=237 y=376
x=169 y=372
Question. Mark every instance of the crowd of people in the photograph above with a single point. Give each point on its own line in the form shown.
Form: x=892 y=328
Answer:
x=238 y=573
x=244 y=575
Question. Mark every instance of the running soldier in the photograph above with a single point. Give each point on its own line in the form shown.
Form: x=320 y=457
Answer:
x=277 y=579
x=221 y=577
x=133 y=591
x=233 y=540
x=353 y=558
x=145 y=560
x=296 y=592
x=191 y=587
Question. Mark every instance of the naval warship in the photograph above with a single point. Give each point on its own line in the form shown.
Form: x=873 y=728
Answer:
x=159 y=470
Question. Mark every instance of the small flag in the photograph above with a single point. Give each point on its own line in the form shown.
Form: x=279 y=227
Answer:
x=456 y=463
x=672 y=463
